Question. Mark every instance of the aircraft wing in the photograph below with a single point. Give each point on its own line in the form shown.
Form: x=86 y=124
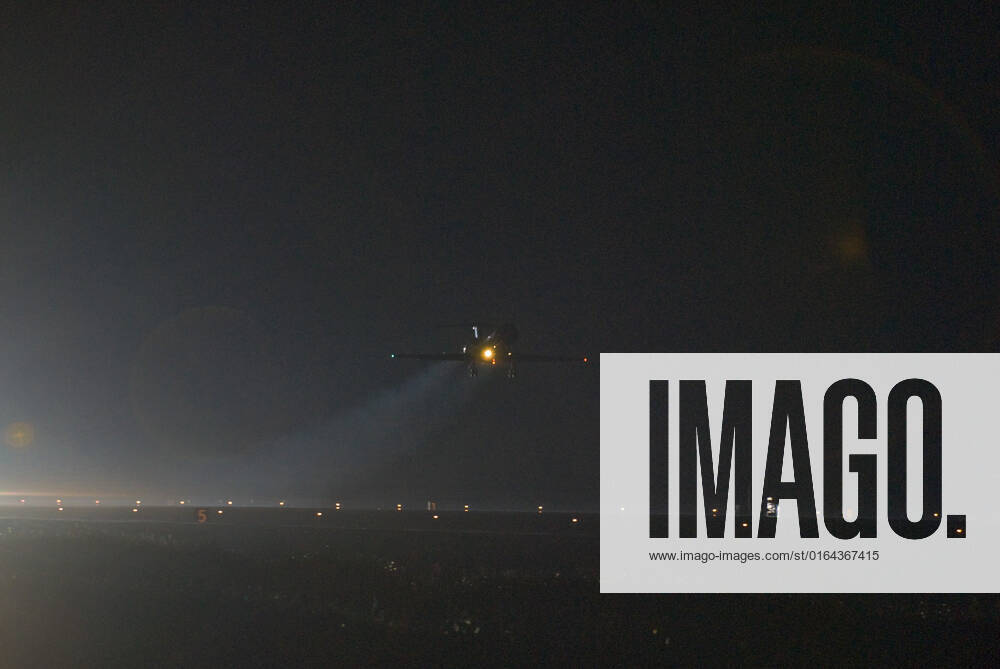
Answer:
x=430 y=356
x=527 y=357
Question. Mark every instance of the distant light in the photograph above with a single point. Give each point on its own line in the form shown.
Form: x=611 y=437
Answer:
x=715 y=510
x=281 y=503
x=219 y=512
x=60 y=508
x=337 y=506
x=959 y=530
x=135 y=510
x=319 y=513
x=392 y=355
x=585 y=360
x=466 y=508
x=229 y=502
x=58 y=501
x=435 y=516
x=97 y=501
x=487 y=353
x=22 y=501
x=399 y=507
x=539 y=509
x=621 y=508
x=746 y=524
x=851 y=244
x=138 y=501
x=576 y=520
x=936 y=514
x=181 y=502
x=19 y=435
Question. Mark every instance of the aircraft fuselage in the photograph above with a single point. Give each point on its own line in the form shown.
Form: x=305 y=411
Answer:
x=491 y=349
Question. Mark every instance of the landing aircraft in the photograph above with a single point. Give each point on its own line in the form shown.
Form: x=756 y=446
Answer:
x=491 y=345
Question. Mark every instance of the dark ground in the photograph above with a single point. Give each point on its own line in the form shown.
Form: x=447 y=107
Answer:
x=268 y=588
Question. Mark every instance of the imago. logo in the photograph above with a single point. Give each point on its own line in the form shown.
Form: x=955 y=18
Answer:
x=788 y=429
x=799 y=472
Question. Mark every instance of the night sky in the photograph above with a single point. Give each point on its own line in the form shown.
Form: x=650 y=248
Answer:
x=219 y=220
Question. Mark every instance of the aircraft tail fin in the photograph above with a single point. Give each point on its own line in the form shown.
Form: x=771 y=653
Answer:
x=477 y=327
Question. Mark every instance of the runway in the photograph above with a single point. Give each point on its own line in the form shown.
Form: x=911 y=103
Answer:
x=207 y=518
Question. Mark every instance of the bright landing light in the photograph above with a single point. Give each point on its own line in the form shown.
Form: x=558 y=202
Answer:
x=487 y=353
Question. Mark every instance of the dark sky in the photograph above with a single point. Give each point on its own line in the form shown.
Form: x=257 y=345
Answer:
x=219 y=219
